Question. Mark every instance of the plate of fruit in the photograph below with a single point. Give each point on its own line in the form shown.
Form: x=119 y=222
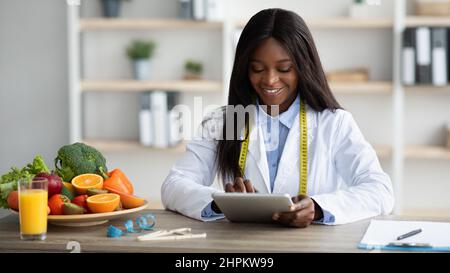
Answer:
x=91 y=197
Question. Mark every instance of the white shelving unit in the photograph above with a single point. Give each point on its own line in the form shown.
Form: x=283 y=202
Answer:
x=397 y=152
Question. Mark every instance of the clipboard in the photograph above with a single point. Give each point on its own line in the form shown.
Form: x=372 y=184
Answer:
x=382 y=235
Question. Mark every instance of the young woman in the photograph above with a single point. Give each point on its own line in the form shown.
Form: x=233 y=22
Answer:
x=320 y=156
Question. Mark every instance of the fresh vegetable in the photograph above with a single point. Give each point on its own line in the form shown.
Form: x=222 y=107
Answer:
x=119 y=182
x=56 y=203
x=79 y=158
x=8 y=181
x=72 y=209
x=38 y=166
x=54 y=183
x=80 y=200
x=13 y=200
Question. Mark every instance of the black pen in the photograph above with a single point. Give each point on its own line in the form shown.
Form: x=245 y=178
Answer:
x=409 y=234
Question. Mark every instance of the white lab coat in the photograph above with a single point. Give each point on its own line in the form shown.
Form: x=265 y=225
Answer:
x=344 y=175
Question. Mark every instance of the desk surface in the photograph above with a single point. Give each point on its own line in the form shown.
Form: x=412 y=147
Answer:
x=222 y=236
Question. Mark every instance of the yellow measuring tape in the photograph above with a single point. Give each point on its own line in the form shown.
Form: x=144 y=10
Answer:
x=303 y=150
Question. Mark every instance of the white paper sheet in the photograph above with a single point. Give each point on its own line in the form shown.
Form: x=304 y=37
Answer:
x=383 y=232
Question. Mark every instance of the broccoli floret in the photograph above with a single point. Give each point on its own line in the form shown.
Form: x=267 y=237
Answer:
x=79 y=158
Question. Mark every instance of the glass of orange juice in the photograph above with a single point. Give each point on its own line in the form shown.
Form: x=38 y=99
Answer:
x=33 y=208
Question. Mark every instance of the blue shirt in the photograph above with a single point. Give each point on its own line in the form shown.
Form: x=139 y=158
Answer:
x=275 y=131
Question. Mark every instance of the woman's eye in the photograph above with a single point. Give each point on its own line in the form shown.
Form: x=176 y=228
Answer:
x=257 y=69
x=285 y=70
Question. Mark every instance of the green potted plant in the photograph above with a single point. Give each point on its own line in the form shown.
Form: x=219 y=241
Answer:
x=140 y=52
x=193 y=70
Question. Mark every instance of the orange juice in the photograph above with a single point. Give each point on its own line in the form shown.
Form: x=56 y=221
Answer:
x=33 y=211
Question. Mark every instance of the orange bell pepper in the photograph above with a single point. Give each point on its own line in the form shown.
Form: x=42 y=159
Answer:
x=118 y=181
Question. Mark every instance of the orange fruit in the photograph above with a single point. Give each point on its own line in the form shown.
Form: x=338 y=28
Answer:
x=105 y=202
x=86 y=181
x=129 y=201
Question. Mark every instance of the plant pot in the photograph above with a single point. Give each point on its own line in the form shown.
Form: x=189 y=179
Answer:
x=141 y=69
x=192 y=76
x=111 y=8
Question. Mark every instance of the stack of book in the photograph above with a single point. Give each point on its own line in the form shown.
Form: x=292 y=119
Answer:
x=159 y=124
x=425 y=57
x=201 y=10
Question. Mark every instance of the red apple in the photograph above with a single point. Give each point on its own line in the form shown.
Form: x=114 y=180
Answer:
x=54 y=183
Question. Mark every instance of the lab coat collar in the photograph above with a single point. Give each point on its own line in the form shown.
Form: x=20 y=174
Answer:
x=286 y=118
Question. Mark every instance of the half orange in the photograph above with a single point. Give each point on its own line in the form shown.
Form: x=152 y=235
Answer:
x=105 y=202
x=86 y=181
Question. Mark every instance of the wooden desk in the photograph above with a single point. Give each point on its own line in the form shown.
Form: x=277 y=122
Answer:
x=222 y=236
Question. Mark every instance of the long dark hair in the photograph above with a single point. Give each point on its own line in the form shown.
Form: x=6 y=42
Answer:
x=289 y=29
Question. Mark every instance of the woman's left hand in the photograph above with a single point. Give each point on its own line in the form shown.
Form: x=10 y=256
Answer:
x=301 y=214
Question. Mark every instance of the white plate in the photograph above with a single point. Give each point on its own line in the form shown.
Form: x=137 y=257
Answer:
x=90 y=219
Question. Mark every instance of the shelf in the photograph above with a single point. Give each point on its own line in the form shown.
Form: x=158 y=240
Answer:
x=343 y=23
x=427 y=152
x=432 y=21
x=427 y=212
x=428 y=88
x=383 y=151
x=129 y=145
x=370 y=87
x=129 y=23
x=139 y=86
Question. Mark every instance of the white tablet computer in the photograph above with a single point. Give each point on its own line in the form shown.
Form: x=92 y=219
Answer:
x=251 y=207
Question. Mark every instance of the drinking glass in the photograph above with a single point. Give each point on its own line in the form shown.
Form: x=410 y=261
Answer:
x=33 y=208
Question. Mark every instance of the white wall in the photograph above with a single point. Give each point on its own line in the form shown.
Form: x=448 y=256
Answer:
x=33 y=86
x=33 y=81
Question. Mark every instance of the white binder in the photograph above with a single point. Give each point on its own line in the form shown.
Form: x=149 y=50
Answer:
x=439 y=56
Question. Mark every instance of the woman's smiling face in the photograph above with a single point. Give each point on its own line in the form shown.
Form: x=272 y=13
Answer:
x=273 y=75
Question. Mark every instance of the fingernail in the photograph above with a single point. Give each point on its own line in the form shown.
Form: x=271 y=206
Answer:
x=291 y=208
x=275 y=216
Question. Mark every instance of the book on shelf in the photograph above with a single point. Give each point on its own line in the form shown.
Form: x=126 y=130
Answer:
x=439 y=56
x=425 y=58
x=145 y=120
x=159 y=124
x=215 y=10
x=185 y=9
x=408 y=57
x=201 y=10
x=423 y=53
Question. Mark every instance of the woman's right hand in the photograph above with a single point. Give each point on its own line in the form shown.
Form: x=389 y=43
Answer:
x=240 y=185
